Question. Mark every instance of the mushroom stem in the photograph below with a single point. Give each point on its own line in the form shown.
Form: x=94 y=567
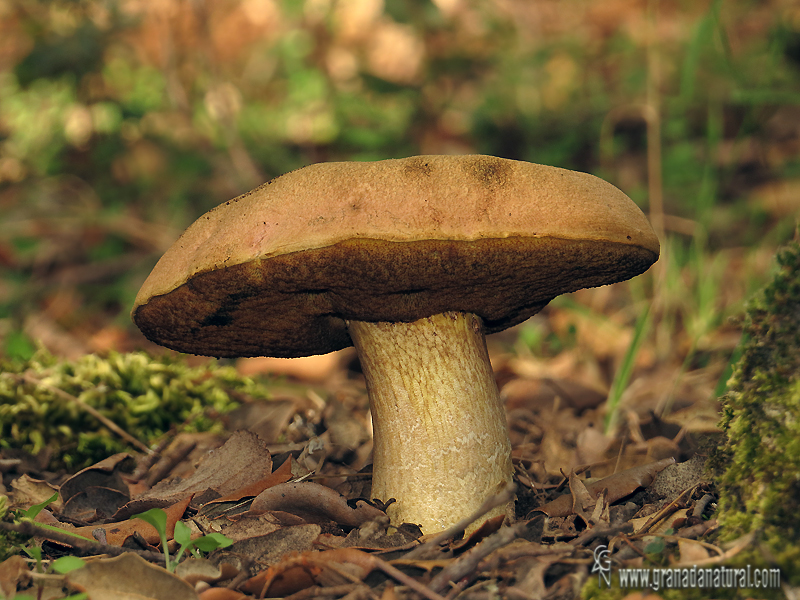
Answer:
x=441 y=445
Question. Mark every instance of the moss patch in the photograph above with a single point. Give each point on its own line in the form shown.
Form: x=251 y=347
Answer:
x=758 y=469
x=41 y=403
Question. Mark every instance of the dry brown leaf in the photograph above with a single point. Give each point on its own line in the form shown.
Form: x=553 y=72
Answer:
x=94 y=504
x=661 y=447
x=331 y=567
x=268 y=419
x=13 y=571
x=117 y=533
x=129 y=577
x=270 y=548
x=530 y=575
x=97 y=492
x=106 y=474
x=582 y=499
x=281 y=475
x=692 y=552
x=313 y=500
x=487 y=528
x=619 y=485
x=194 y=570
x=641 y=523
x=602 y=513
x=243 y=460
x=29 y=491
x=345 y=431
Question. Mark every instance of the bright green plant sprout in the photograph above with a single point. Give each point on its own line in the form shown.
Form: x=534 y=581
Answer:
x=67 y=564
x=206 y=543
x=30 y=515
x=158 y=519
x=655 y=548
x=32 y=512
x=62 y=565
x=182 y=535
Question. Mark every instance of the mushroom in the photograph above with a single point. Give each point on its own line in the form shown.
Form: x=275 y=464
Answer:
x=411 y=261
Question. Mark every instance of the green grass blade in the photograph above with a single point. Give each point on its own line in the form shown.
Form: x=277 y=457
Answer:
x=625 y=371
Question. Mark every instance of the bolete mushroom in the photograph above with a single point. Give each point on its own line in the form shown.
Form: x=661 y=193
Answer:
x=412 y=261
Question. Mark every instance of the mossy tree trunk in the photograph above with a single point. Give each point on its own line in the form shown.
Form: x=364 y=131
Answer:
x=758 y=468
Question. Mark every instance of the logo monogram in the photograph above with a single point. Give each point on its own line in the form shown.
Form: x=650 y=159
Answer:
x=602 y=565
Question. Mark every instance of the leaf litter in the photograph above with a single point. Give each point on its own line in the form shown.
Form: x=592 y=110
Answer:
x=294 y=500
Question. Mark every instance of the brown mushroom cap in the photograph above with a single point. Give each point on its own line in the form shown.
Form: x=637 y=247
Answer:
x=276 y=271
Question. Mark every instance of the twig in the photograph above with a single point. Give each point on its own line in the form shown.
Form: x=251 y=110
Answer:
x=423 y=550
x=466 y=564
x=146 y=462
x=366 y=562
x=666 y=511
x=600 y=532
x=82 y=546
x=700 y=505
x=404 y=579
x=29 y=378
x=167 y=463
x=528 y=549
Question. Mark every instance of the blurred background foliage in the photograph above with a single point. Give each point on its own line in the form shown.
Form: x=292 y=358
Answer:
x=121 y=121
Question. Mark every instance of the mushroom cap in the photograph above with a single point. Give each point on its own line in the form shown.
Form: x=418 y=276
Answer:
x=278 y=270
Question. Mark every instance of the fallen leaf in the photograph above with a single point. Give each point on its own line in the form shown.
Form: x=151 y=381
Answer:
x=129 y=577
x=244 y=459
x=619 y=485
x=94 y=504
x=29 y=491
x=268 y=419
x=272 y=547
x=281 y=475
x=105 y=474
x=487 y=528
x=692 y=551
x=295 y=573
x=117 y=533
x=194 y=570
x=13 y=571
x=315 y=501
x=582 y=498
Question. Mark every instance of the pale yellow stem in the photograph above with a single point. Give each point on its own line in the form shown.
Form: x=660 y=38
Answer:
x=441 y=441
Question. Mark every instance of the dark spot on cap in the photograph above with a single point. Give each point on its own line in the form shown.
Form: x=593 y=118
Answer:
x=416 y=167
x=488 y=170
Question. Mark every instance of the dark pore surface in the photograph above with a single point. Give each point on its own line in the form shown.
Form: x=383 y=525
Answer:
x=295 y=304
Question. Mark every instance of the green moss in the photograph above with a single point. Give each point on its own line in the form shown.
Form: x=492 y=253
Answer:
x=758 y=469
x=145 y=396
